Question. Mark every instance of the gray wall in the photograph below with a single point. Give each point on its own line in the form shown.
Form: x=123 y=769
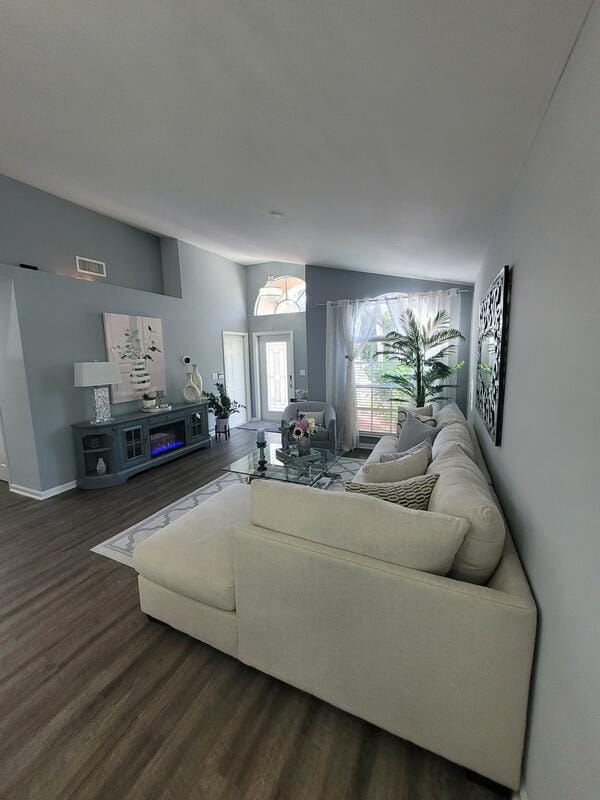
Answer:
x=41 y=229
x=324 y=284
x=61 y=322
x=256 y=277
x=546 y=470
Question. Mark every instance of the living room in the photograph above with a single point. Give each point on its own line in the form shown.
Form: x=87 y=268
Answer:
x=297 y=307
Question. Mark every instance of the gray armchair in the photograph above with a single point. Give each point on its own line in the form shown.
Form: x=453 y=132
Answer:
x=325 y=435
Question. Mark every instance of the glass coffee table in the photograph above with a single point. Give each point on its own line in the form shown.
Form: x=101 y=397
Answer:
x=314 y=470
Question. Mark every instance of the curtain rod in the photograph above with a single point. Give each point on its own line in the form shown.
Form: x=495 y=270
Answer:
x=382 y=298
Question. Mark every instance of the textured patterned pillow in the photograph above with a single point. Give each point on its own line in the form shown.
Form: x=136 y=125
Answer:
x=413 y=493
x=397 y=454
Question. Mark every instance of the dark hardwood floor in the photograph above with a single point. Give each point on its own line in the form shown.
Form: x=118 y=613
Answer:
x=98 y=702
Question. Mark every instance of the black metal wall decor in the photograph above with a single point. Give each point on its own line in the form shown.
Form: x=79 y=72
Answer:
x=491 y=353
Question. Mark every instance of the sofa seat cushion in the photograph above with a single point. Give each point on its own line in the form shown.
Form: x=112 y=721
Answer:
x=359 y=524
x=193 y=554
x=462 y=491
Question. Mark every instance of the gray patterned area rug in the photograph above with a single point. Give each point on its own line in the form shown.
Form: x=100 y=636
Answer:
x=120 y=547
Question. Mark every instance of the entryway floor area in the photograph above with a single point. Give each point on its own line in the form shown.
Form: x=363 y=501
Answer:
x=98 y=702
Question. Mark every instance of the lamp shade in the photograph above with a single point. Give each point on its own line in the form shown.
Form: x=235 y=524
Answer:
x=97 y=373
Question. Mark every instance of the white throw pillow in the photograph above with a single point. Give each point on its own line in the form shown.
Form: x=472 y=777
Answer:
x=408 y=465
x=358 y=524
x=426 y=443
x=462 y=491
x=412 y=493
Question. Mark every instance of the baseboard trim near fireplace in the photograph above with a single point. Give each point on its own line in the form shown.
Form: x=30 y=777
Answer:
x=39 y=494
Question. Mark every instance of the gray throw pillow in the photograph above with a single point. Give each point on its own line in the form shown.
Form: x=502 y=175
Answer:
x=393 y=456
x=318 y=416
x=413 y=493
x=413 y=432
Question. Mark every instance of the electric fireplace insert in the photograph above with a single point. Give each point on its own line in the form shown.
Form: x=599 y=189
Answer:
x=167 y=437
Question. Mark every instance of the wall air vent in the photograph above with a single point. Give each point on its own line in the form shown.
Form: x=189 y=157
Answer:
x=89 y=266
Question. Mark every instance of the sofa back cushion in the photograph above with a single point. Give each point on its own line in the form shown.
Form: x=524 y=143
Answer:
x=456 y=433
x=462 y=491
x=448 y=414
x=359 y=524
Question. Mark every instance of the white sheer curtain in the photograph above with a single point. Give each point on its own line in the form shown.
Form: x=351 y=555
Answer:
x=350 y=325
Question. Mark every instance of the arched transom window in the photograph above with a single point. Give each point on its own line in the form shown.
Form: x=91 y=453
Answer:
x=284 y=295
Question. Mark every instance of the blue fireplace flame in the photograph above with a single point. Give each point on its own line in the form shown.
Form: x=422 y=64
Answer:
x=163 y=448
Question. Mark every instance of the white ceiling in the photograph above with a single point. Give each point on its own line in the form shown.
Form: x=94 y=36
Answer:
x=390 y=132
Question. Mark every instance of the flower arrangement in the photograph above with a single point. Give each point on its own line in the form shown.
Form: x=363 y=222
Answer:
x=302 y=428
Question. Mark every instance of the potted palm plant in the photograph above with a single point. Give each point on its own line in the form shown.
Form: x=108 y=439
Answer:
x=422 y=348
x=222 y=407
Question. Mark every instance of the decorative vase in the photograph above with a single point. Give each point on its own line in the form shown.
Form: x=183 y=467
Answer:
x=149 y=403
x=190 y=392
x=101 y=466
x=303 y=445
x=139 y=376
x=197 y=378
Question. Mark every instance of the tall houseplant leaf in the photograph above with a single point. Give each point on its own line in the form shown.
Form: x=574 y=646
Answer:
x=423 y=347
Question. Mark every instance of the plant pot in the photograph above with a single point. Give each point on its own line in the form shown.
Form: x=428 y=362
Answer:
x=221 y=425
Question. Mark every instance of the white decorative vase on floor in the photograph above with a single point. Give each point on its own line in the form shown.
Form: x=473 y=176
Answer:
x=139 y=376
x=197 y=378
x=190 y=392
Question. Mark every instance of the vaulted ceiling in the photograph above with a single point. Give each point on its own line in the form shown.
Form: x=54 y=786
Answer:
x=389 y=132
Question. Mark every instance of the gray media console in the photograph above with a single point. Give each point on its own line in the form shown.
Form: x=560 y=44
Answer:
x=134 y=442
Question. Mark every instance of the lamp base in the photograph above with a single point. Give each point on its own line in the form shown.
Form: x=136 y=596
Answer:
x=101 y=406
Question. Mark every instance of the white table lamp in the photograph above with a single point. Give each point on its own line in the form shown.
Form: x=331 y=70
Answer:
x=98 y=375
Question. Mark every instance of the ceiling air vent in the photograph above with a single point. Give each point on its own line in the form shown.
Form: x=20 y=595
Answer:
x=89 y=266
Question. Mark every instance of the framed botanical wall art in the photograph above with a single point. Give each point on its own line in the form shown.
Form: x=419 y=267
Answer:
x=136 y=344
x=491 y=353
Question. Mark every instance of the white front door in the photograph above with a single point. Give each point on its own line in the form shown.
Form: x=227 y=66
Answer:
x=276 y=373
x=235 y=358
x=3 y=458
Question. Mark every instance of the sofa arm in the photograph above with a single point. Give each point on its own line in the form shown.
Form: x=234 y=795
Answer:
x=439 y=662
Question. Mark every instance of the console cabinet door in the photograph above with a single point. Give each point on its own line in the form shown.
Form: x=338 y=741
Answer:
x=134 y=444
x=197 y=424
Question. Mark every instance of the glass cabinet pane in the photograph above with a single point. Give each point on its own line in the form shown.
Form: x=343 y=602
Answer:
x=133 y=443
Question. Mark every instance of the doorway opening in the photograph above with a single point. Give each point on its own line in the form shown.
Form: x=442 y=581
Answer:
x=236 y=359
x=274 y=373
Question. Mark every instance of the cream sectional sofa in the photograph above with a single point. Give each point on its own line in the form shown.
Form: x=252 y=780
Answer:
x=346 y=597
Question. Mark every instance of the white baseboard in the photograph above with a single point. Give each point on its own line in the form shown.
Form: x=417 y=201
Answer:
x=38 y=494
